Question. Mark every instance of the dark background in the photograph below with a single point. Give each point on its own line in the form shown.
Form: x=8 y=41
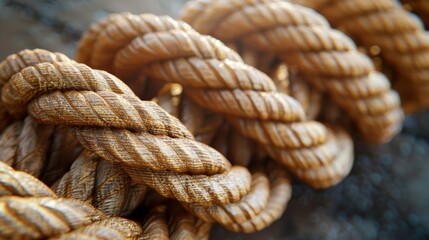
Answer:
x=386 y=195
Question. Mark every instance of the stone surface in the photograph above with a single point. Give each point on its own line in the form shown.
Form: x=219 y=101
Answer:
x=385 y=197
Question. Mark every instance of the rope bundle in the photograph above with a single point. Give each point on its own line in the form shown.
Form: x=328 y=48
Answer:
x=30 y=210
x=215 y=77
x=401 y=38
x=302 y=38
x=153 y=147
x=103 y=183
x=51 y=105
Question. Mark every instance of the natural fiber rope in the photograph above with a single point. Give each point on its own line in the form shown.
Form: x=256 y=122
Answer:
x=215 y=77
x=403 y=43
x=30 y=210
x=208 y=127
x=172 y=222
x=43 y=151
x=263 y=204
x=108 y=119
x=303 y=38
x=104 y=185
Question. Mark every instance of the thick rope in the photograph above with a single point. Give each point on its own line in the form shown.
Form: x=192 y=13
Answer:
x=173 y=222
x=208 y=127
x=264 y=204
x=153 y=147
x=102 y=184
x=30 y=210
x=45 y=152
x=401 y=38
x=215 y=77
x=324 y=56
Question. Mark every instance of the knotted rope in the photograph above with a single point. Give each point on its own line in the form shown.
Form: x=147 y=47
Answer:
x=401 y=38
x=267 y=199
x=87 y=171
x=153 y=147
x=302 y=38
x=215 y=76
x=30 y=210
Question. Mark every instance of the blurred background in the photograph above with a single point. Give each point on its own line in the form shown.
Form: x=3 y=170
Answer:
x=386 y=195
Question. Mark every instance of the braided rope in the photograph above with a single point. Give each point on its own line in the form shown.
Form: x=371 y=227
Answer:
x=153 y=148
x=303 y=38
x=30 y=210
x=401 y=38
x=213 y=76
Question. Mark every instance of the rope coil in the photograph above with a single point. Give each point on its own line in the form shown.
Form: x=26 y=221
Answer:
x=401 y=38
x=323 y=56
x=215 y=77
x=104 y=114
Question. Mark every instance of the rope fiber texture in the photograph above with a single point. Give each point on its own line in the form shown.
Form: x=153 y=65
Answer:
x=401 y=38
x=303 y=39
x=153 y=147
x=215 y=77
x=30 y=210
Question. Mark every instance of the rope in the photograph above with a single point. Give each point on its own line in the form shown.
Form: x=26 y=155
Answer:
x=102 y=184
x=215 y=77
x=401 y=38
x=173 y=222
x=30 y=210
x=153 y=147
x=303 y=39
x=264 y=204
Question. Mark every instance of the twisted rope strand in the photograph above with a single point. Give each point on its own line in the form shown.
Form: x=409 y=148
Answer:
x=213 y=76
x=105 y=114
x=259 y=209
x=250 y=214
x=401 y=38
x=38 y=149
x=173 y=222
x=102 y=184
x=30 y=210
x=302 y=38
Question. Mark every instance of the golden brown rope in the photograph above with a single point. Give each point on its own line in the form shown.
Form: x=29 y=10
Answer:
x=30 y=210
x=303 y=38
x=208 y=127
x=102 y=184
x=153 y=147
x=213 y=76
x=264 y=204
x=401 y=39
x=45 y=152
x=173 y=222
